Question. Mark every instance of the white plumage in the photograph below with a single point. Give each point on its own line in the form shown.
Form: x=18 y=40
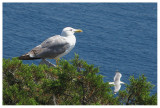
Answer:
x=54 y=47
x=117 y=83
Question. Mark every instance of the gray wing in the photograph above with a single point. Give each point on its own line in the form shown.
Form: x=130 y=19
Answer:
x=50 y=48
x=117 y=76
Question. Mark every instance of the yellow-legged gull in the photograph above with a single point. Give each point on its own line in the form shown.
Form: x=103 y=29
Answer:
x=54 y=47
x=117 y=83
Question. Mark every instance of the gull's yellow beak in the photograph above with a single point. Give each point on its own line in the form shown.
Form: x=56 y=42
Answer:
x=78 y=30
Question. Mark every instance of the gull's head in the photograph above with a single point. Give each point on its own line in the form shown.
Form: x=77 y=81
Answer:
x=118 y=74
x=69 y=31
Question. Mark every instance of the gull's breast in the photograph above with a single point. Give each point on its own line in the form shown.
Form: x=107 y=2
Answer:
x=72 y=41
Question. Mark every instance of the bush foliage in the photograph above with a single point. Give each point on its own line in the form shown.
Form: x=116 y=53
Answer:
x=70 y=83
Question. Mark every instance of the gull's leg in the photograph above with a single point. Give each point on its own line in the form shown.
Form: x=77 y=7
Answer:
x=49 y=64
x=57 y=64
x=57 y=61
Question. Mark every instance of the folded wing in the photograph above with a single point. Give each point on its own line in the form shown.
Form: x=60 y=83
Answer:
x=50 y=48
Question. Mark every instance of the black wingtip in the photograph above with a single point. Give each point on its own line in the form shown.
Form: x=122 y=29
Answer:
x=26 y=57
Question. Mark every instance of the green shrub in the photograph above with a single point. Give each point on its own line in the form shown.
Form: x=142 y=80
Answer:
x=70 y=83
x=138 y=92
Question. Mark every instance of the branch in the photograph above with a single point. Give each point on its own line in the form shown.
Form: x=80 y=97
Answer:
x=54 y=99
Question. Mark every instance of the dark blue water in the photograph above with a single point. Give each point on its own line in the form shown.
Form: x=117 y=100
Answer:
x=117 y=36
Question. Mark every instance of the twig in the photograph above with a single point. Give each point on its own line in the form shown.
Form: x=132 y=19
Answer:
x=54 y=99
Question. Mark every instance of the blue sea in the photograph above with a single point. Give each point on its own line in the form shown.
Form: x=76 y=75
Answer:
x=116 y=36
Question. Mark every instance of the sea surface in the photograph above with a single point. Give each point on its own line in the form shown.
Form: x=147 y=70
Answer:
x=116 y=36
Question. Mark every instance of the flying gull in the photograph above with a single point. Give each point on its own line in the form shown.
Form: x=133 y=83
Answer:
x=54 y=47
x=117 y=83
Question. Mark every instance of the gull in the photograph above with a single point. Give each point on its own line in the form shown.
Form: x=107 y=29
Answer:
x=117 y=83
x=53 y=47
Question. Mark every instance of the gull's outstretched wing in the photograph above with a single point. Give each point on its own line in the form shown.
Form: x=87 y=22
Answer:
x=111 y=83
x=50 y=48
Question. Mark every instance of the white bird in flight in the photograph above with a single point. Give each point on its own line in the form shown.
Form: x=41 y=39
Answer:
x=117 y=83
x=53 y=47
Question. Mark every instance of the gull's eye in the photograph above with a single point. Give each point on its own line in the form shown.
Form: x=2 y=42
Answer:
x=71 y=29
